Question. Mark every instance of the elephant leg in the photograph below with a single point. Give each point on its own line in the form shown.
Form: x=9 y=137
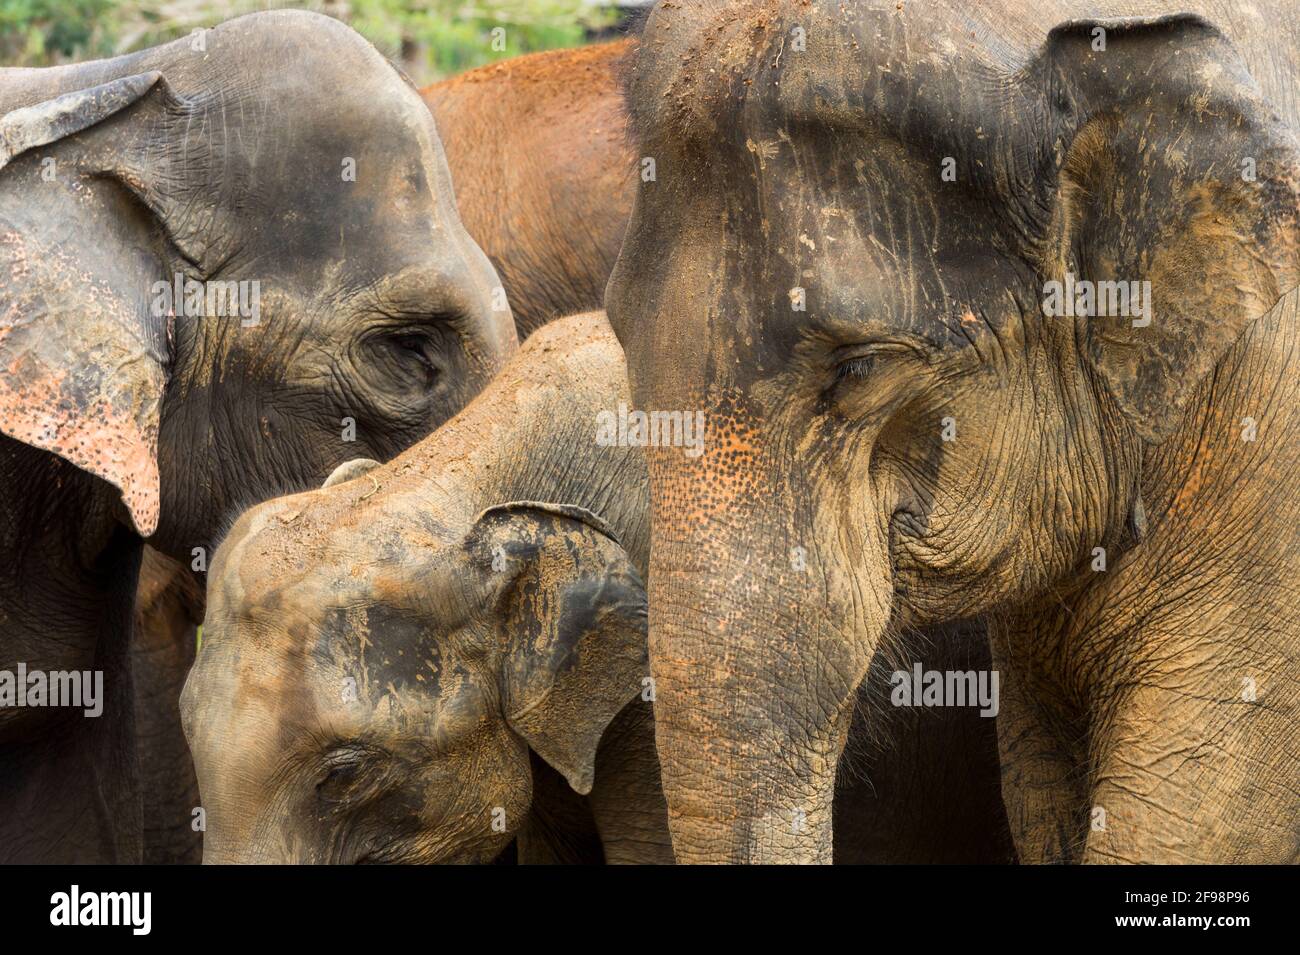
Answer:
x=168 y=607
x=1044 y=777
x=627 y=800
x=1188 y=767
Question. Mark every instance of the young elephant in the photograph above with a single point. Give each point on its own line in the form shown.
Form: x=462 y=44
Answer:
x=330 y=304
x=380 y=657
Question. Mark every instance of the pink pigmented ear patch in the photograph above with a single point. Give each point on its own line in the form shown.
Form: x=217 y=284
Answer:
x=82 y=370
x=97 y=439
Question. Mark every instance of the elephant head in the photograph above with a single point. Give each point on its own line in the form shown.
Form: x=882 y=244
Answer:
x=380 y=656
x=231 y=263
x=860 y=216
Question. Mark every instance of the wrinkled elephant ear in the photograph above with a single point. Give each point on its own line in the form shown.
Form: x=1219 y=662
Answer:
x=83 y=354
x=1173 y=170
x=574 y=612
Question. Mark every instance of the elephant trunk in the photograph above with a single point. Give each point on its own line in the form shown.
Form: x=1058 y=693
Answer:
x=758 y=641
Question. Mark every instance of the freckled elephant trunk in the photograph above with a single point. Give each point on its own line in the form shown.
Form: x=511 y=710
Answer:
x=758 y=640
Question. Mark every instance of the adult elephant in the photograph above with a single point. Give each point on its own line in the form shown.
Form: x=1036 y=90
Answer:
x=860 y=214
x=544 y=172
x=252 y=153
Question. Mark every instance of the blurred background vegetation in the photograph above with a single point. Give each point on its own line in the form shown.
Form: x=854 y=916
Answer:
x=429 y=39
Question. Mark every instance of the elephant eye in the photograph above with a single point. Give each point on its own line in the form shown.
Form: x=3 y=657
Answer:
x=340 y=768
x=868 y=361
x=414 y=356
x=416 y=352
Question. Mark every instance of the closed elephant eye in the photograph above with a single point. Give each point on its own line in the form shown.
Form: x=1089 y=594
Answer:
x=416 y=352
x=336 y=775
x=410 y=357
x=341 y=769
x=863 y=362
x=871 y=380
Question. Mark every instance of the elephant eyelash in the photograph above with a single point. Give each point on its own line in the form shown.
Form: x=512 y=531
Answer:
x=858 y=368
x=866 y=362
x=415 y=344
x=341 y=762
x=338 y=774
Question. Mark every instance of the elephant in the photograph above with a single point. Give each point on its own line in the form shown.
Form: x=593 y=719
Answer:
x=989 y=311
x=227 y=271
x=544 y=172
x=542 y=166
x=418 y=651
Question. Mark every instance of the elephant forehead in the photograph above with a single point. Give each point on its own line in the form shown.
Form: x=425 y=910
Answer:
x=704 y=66
x=856 y=193
x=776 y=282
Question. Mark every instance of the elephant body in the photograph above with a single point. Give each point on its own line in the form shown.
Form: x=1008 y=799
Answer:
x=544 y=172
x=351 y=314
x=852 y=264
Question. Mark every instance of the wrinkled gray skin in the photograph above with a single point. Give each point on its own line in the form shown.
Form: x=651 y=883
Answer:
x=122 y=422
x=490 y=646
x=1161 y=691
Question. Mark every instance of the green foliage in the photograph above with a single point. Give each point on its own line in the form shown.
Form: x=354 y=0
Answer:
x=440 y=37
x=40 y=31
x=428 y=38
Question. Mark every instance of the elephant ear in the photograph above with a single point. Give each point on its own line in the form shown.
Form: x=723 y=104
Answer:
x=574 y=613
x=1173 y=170
x=83 y=355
